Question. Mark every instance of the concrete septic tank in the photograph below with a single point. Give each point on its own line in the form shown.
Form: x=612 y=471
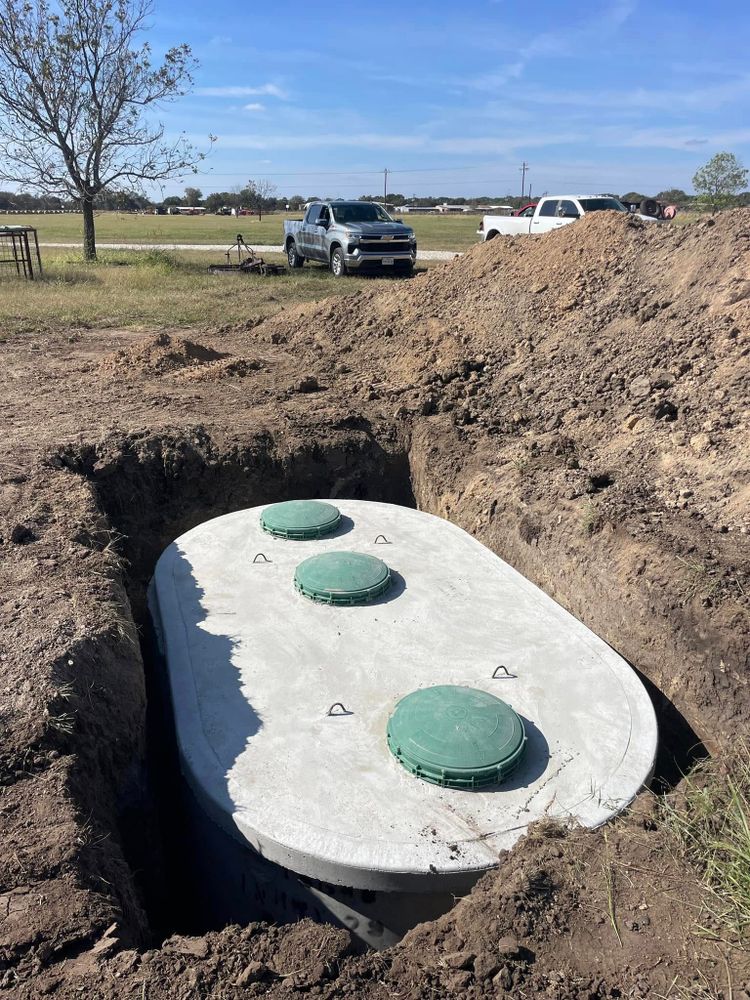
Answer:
x=366 y=762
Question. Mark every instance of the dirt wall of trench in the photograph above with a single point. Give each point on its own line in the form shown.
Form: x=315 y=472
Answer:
x=580 y=406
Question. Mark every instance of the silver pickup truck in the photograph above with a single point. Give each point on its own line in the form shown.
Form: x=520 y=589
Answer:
x=350 y=236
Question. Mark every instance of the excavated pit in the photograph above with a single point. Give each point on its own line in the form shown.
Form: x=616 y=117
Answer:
x=151 y=490
x=577 y=403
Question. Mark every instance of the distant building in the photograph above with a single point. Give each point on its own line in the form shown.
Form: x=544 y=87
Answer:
x=446 y=209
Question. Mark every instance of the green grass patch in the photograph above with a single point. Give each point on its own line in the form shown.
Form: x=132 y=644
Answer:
x=434 y=232
x=712 y=827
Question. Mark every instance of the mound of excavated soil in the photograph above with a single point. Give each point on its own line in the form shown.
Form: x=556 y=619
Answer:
x=159 y=355
x=622 y=343
x=580 y=402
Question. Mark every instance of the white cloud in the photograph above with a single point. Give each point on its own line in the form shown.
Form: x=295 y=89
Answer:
x=460 y=144
x=254 y=107
x=567 y=41
x=671 y=138
x=264 y=90
x=682 y=99
x=495 y=81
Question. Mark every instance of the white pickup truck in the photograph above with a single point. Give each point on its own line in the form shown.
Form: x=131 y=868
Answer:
x=550 y=212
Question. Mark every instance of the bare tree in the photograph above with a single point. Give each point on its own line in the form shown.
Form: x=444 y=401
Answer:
x=76 y=95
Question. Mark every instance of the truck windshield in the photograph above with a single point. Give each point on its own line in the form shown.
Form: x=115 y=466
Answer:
x=359 y=211
x=602 y=205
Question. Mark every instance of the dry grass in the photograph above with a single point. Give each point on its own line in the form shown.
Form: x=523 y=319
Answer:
x=712 y=828
x=589 y=518
x=609 y=881
x=700 y=987
x=155 y=288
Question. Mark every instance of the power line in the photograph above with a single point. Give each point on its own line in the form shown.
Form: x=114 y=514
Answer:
x=494 y=182
x=345 y=173
x=490 y=186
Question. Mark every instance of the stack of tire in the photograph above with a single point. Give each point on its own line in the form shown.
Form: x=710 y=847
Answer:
x=653 y=208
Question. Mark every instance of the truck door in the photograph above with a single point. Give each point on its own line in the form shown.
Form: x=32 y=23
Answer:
x=321 y=233
x=567 y=211
x=307 y=231
x=546 y=216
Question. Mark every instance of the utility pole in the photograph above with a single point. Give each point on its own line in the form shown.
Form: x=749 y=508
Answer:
x=523 y=168
x=385 y=189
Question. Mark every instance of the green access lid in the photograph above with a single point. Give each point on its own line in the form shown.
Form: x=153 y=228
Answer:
x=457 y=737
x=300 y=519
x=342 y=577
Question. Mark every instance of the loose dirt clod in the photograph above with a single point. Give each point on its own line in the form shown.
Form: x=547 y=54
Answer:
x=580 y=402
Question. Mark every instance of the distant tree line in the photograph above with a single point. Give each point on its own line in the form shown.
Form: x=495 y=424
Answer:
x=718 y=185
x=695 y=202
x=123 y=201
x=129 y=201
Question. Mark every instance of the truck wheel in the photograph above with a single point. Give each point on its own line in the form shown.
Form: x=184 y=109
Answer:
x=293 y=257
x=649 y=207
x=490 y=235
x=338 y=267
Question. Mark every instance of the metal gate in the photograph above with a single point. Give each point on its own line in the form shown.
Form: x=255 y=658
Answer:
x=18 y=252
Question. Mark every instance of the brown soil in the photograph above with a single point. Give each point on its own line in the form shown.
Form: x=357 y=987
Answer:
x=577 y=402
x=159 y=355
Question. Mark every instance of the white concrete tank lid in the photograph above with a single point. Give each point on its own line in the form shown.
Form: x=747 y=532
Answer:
x=255 y=668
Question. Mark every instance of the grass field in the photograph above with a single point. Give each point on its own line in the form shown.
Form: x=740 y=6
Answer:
x=155 y=288
x=434 y=232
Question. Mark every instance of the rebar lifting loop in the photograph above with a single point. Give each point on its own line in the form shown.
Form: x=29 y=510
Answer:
x=261 y=558
x=335 y=705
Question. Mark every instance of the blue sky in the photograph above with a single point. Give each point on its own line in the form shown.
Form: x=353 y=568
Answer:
x=451 y=97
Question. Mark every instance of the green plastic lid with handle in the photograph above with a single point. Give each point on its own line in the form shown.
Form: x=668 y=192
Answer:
x=342 y=578
x=300 y=519
x=457 y=737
